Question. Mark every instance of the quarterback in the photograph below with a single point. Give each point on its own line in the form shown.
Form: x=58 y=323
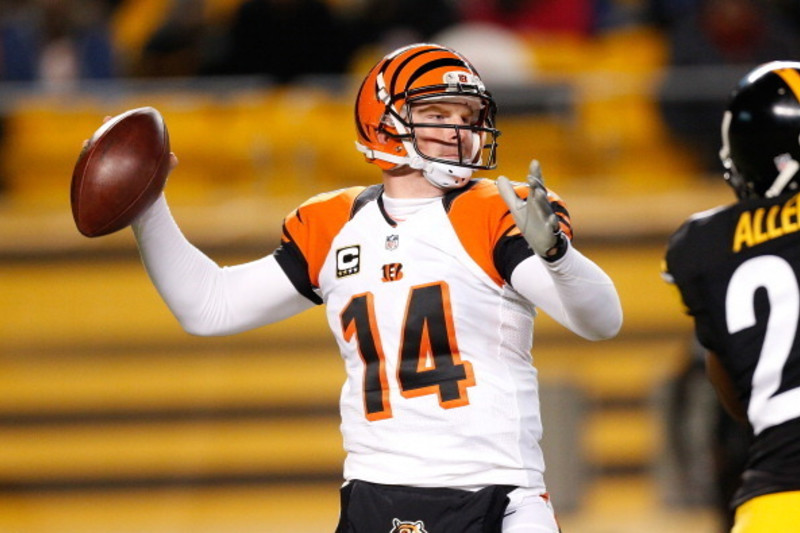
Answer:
x=431 y=280
x=737 y=269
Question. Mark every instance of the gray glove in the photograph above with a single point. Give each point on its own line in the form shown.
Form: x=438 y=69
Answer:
x=535 y=217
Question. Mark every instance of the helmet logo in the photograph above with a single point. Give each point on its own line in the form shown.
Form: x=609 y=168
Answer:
x=463 y=78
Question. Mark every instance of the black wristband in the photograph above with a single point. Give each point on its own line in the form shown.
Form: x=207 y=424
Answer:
x=558 y=250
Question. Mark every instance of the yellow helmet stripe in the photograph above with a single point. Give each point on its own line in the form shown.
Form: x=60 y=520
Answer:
x=792 y=79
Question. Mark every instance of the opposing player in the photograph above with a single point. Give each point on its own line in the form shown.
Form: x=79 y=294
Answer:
x=430 y=280
x=737 y=269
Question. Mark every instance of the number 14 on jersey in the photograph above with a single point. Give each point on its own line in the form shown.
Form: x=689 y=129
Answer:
x=428 y=360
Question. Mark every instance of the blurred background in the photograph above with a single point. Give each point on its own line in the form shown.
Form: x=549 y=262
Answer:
x=114 y=420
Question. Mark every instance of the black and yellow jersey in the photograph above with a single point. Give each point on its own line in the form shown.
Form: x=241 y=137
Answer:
x=738 y=272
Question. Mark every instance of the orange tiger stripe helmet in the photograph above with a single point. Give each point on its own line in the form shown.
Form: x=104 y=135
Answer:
x=416 y=74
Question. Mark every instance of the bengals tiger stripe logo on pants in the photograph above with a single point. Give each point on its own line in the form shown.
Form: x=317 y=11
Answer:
x=407 y=527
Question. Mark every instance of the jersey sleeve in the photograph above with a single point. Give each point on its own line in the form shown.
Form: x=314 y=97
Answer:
x=700 y=283
x=559 y=208
x=308 y=232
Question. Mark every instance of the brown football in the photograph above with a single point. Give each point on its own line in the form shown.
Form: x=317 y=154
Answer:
x=120 y=172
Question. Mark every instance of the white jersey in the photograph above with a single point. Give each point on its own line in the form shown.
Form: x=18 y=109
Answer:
x=440 y=390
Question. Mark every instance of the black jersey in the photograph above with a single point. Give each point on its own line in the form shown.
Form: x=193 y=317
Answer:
x=738 y=272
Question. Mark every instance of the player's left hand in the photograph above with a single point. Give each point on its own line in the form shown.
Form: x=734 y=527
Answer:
x=535 y=217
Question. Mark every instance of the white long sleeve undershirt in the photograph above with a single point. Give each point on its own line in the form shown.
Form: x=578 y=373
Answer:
x=205 y=298
x=574 y=291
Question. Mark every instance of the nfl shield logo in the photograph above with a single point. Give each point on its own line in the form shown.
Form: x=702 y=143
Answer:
x=392 y=241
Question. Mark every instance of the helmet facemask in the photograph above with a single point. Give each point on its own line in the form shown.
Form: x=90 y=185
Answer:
x=479 y=153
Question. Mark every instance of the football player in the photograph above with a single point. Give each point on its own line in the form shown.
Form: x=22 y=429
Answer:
x=737 y=269
x=431 y=280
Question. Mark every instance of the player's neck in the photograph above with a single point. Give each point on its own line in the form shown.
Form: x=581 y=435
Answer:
x=409 y=185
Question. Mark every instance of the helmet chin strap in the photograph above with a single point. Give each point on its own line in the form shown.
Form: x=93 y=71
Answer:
x=438 y=174
x=446 y=176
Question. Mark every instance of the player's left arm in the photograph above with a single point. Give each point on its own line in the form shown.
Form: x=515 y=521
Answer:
x=560 y=280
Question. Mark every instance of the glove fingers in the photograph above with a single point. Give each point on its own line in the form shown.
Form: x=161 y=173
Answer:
x=540 y=196
x=507 y=193
x=535 y=174
x=543 y=209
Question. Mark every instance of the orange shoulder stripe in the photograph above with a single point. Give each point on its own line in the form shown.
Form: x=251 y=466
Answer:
x=560 y=209
x=313 y=225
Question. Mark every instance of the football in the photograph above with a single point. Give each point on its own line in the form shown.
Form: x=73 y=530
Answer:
x=120 y=172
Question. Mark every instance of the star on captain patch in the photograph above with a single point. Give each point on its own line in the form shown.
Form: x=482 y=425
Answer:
x=392 y=242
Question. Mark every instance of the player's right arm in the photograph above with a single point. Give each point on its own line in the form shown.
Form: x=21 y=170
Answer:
x=205 y=298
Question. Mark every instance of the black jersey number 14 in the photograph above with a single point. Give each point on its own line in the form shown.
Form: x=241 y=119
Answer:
x=429 y=361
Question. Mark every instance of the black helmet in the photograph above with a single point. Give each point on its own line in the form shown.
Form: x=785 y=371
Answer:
x=761 y=132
